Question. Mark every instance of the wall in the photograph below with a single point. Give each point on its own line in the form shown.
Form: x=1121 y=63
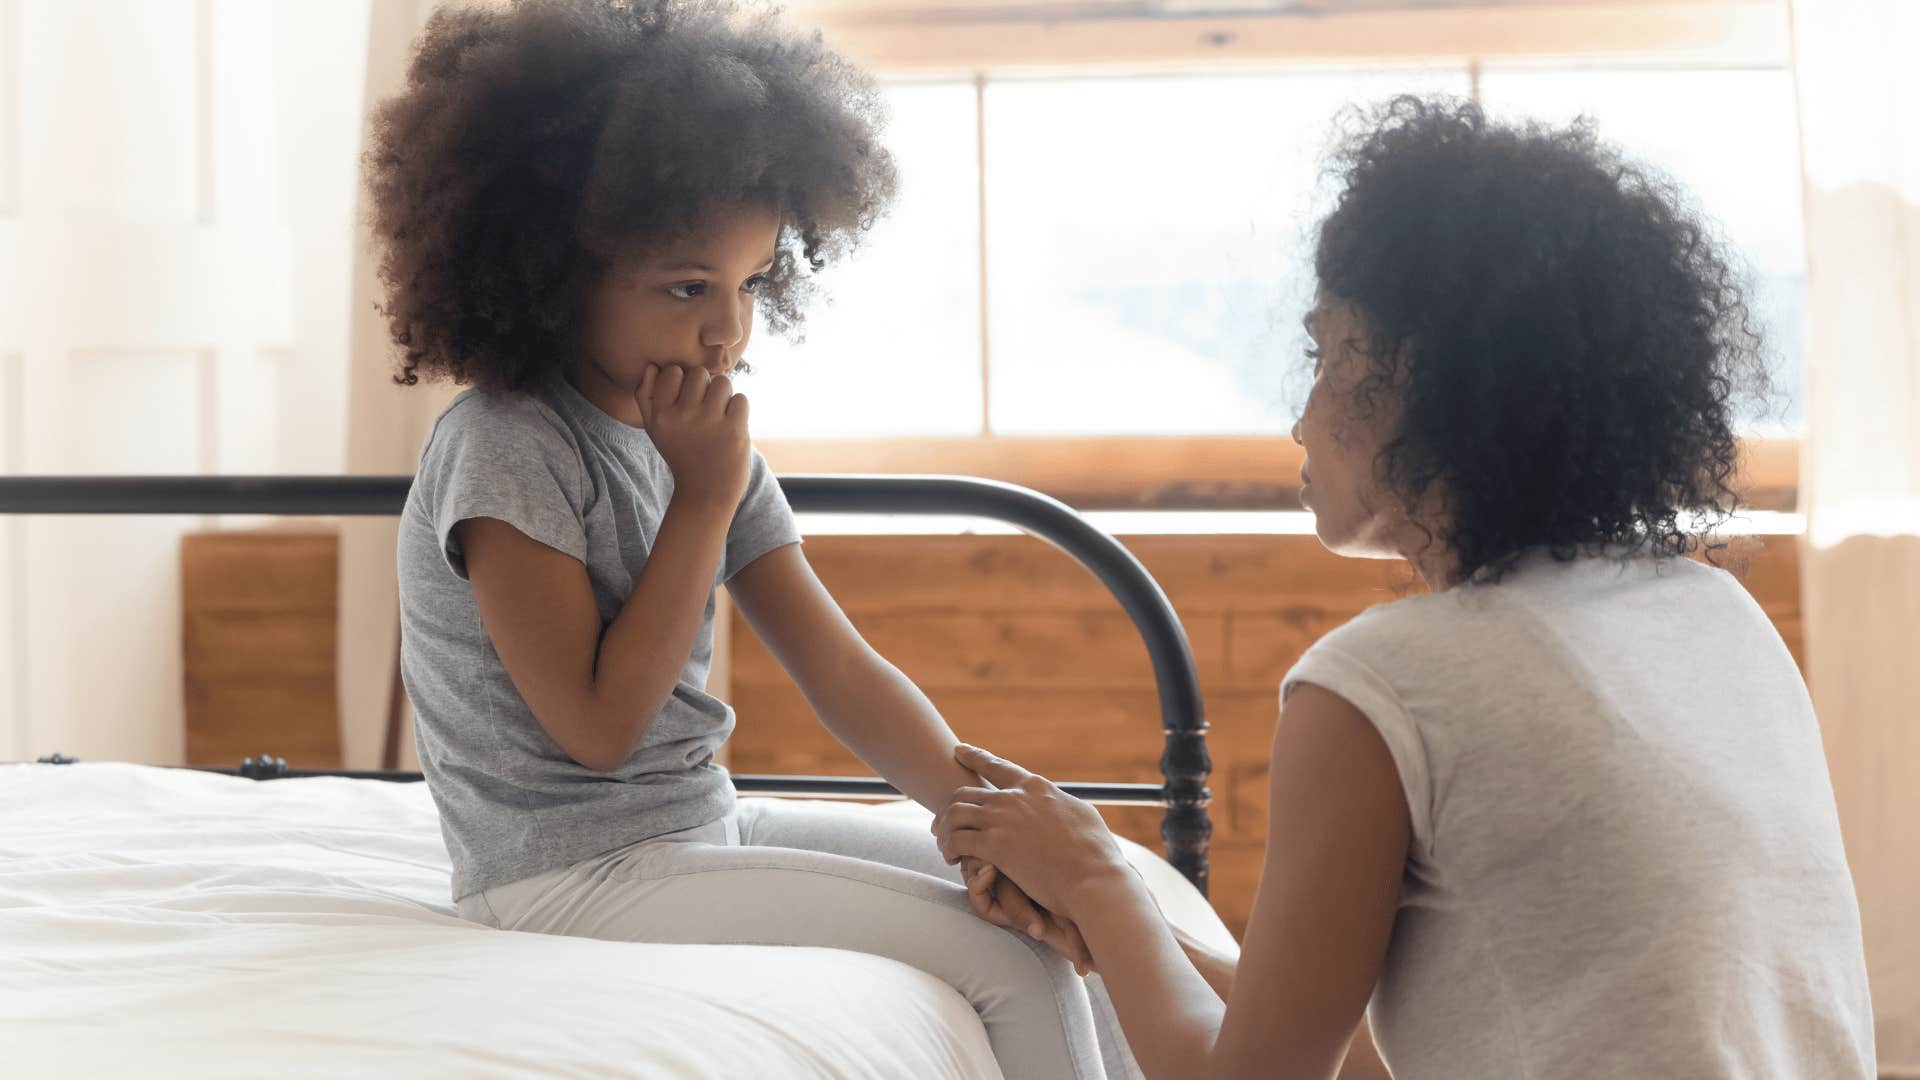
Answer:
x=175 y=209
x=1026 y=654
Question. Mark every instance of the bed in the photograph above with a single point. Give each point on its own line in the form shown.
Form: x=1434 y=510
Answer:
x=175 y=922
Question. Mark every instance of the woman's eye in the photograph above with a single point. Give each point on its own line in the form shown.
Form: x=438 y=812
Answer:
x=687 y=290
x=754 y=283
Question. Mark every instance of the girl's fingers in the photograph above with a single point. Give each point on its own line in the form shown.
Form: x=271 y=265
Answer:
x=983 y=877
x=1021 y=913
x=693 y=386
x=719 y=393
x=669 y=385
x=980 y=890
x=1067 y=940
x=644 y=396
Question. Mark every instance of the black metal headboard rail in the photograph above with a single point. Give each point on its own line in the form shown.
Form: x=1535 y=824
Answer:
x=1185 y=828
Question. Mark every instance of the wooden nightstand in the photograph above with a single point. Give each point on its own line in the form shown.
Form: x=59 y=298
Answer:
x=260 y=609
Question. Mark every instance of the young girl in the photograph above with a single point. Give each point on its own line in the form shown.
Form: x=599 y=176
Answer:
x=582 y=204
x=1567 y=814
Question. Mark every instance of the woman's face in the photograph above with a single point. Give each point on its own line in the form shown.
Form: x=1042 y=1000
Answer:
x=1352 y=511
x=688 y=303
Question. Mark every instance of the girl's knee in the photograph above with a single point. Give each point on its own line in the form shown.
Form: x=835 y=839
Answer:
x=1022 y=965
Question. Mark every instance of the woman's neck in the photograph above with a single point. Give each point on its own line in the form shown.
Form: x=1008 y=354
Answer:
x=1436 y=569
x=1419 y=539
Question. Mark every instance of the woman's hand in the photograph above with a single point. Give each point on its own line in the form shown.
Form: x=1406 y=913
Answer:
x=999 y=901
x=1051 y=843
x=699 y=425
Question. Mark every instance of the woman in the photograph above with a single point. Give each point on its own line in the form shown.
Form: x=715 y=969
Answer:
x=1567 y=813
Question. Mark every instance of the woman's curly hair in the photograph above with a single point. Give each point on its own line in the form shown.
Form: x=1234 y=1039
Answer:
x=1565 y=337
x=539 y=143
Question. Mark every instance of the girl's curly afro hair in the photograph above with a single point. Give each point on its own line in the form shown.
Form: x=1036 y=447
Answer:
x=1564 y=336
x=540 y=142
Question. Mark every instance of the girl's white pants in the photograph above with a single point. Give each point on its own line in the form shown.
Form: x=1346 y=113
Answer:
x=784 y=872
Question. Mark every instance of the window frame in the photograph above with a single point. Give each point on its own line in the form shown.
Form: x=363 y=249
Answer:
x=1147 y=472
x=1244 y=472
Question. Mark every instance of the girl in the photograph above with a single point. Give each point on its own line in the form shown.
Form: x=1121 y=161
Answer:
x=582 y=205
x=1567 y=814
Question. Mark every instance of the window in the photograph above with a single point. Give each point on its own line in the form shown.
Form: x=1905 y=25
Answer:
x=1147 y=246
x=1146 y=243
x=892 y=347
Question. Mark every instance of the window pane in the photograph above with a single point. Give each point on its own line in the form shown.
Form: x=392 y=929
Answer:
x=1146 y=245
x=905 y=311
x=1729 y=138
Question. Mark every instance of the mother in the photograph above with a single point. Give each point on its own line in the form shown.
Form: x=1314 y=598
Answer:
x=1567 y=813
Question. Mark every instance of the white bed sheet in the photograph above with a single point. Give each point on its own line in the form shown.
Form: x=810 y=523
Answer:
x=167 y=923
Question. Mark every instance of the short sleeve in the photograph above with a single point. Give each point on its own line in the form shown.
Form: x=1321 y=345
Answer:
x=1328 y=666
x=763 y=522
x=509 y=461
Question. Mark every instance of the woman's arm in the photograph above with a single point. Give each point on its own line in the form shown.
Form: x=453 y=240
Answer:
x=1336 y=849
x=1338 y=832
x=1213 y=965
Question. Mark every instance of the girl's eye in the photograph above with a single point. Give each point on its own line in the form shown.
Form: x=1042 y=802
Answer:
x=687 y=290
x=754 y=283
x=1313 y=354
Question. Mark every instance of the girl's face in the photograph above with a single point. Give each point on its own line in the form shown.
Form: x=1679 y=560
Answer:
x=688 y=303
x=1353 y=513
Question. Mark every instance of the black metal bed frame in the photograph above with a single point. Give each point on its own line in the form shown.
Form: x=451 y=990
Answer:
x=1185 y=828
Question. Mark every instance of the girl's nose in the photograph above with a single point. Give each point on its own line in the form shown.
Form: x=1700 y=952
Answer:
x=726 y=325
x=1296 y=434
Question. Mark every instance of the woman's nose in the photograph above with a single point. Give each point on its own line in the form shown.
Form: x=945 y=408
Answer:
x=1296 y=434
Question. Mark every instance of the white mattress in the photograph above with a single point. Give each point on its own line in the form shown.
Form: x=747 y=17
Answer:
x=166 y=923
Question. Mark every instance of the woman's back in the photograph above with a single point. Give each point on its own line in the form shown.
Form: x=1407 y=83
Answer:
x=1626 y=859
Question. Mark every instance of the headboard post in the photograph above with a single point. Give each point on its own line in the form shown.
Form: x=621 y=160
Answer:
x=1184 y=764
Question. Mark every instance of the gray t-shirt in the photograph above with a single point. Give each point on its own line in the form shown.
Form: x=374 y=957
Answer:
x=552 y=465
x=1626 y=859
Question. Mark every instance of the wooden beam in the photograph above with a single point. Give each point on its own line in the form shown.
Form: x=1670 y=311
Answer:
x=1163 y=473
x=1088 y=474
x=1732 y=33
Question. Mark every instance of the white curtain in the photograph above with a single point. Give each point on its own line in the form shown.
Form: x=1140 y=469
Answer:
x=175 y=198
x=385 y=426
x=1860 y=474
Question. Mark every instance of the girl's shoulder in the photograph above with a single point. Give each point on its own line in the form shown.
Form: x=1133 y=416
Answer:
x=504 y=442
x=501 y=423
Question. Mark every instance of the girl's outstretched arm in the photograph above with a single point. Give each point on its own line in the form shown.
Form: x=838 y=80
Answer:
x=878 y=713
x=866 y=702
